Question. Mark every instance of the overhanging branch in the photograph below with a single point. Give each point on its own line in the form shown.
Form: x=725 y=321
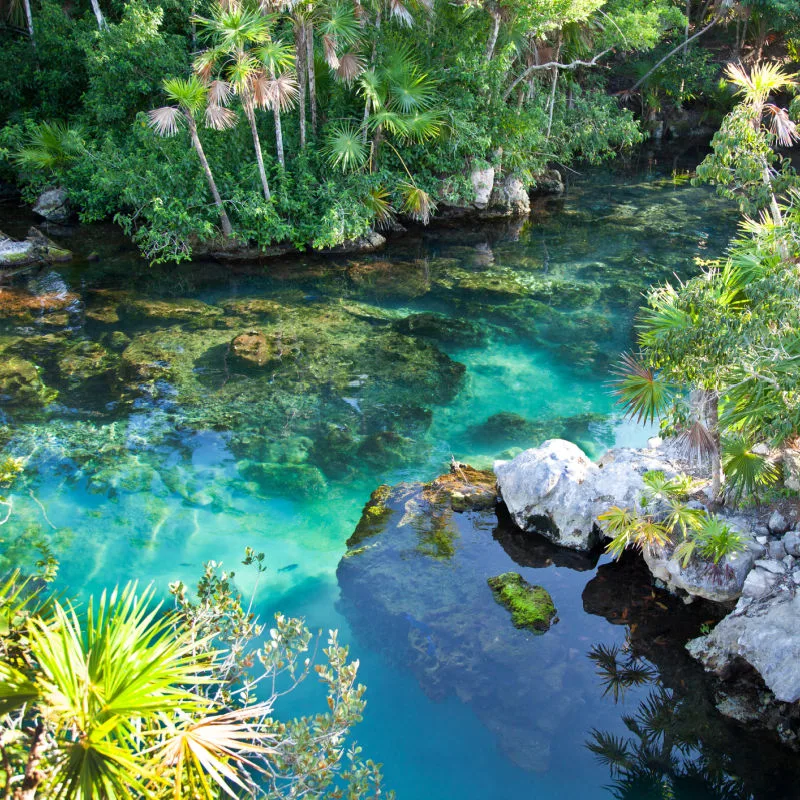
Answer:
x=558 y=65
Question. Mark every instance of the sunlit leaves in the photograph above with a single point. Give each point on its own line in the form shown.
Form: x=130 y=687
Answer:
x=640 y=390
x=344 y=147
x=746 y=471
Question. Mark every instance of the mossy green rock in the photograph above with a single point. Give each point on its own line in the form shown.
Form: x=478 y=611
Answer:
x=20 y=384
x=531 y=606
x=192 y=313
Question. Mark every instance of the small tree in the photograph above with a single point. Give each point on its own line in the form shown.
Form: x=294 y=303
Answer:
x=743 y=164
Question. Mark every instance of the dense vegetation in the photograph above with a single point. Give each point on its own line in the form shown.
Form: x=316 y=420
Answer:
x=312 y=122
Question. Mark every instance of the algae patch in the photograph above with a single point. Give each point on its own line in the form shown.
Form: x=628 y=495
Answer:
x=531 y=606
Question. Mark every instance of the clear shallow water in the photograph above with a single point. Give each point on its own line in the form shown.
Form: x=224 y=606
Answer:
x=162 y=449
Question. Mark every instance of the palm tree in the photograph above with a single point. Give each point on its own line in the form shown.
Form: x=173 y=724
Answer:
x=234 y=32
x=191 y=98
x=281 y=94
x=399 y=103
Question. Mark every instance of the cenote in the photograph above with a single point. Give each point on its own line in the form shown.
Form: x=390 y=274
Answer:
x=153 y=444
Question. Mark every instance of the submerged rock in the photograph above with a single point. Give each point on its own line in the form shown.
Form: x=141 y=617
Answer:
x=35 y=249
x=530 y=606
x=20 y=384
x=414 y=586
x=252 y=348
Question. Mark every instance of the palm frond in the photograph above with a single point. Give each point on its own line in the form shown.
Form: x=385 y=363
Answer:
x=640 y=390
x=351 y=65
x=219 y=118
x=745 y=471
x=344 y=147
x=165 y=120
x=417 y=203
x=378 y=201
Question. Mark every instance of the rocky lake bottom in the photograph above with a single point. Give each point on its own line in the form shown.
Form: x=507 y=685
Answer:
x=168 y=416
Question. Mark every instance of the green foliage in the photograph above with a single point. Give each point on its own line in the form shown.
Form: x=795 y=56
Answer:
x=746 y=472
x=50 y=147
x=126 y=65
x=666 y=521
x=716 y=540
x=132 y=701
x=405 y=109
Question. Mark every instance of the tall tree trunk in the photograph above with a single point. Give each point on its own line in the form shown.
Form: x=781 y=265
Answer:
x=490 y=45
x=29 y=20
x=367 y=105
x=276 y=113
x=312 y=82
x=373 y=55
x=300 y=53
x=101 y=20
x=227 y=229
x=712 y=416
x=251 y=118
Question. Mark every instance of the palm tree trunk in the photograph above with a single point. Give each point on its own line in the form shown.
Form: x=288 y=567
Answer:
x=29 y=20
x=490 y=45
x=312 y=83
x=365 y=120
x=712 y=416
x=101 y=20
x=300 y=52
x=251 y=118
x=227 y=229
x=279 y=136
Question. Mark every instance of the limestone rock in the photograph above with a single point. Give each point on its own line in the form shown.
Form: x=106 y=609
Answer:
x=791 y=468
x=791 y=543
x=53 y=206
x=721 y=583
x=252 y=348
x=547 y=490
x=482 y=184
x=549 y=182
x=777 y=522
x=759 y=582
x=557 y=491
x=510 y=198
x=766 y=634
x=776 y=549
x=36 y=248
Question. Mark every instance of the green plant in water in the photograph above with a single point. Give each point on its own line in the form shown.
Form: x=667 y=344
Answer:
x=530 y=606
x=10 y=468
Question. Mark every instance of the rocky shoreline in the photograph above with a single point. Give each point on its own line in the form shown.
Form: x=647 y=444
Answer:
x=555 y=493
x=495 y=197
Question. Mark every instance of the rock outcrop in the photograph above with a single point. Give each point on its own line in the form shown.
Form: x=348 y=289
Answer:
x=53 y=206
x=34 y=250
x=556 y=490
x=764 y=633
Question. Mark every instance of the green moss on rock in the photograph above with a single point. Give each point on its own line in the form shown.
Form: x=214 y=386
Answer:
x=373 y=517
x=531 y=606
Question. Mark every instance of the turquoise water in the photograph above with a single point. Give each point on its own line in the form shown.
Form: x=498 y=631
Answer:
x=151 y=447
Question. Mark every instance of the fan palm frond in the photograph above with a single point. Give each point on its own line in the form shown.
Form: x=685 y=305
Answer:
x=378 y=201
x=219 y=118
x=166 y=120
x=417 y=203
x=344 y=147
x=640 y=390
x=746 y=472
x=189 y=93
x=351 y=65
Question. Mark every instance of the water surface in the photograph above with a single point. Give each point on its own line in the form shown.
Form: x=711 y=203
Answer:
x=151 y=447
